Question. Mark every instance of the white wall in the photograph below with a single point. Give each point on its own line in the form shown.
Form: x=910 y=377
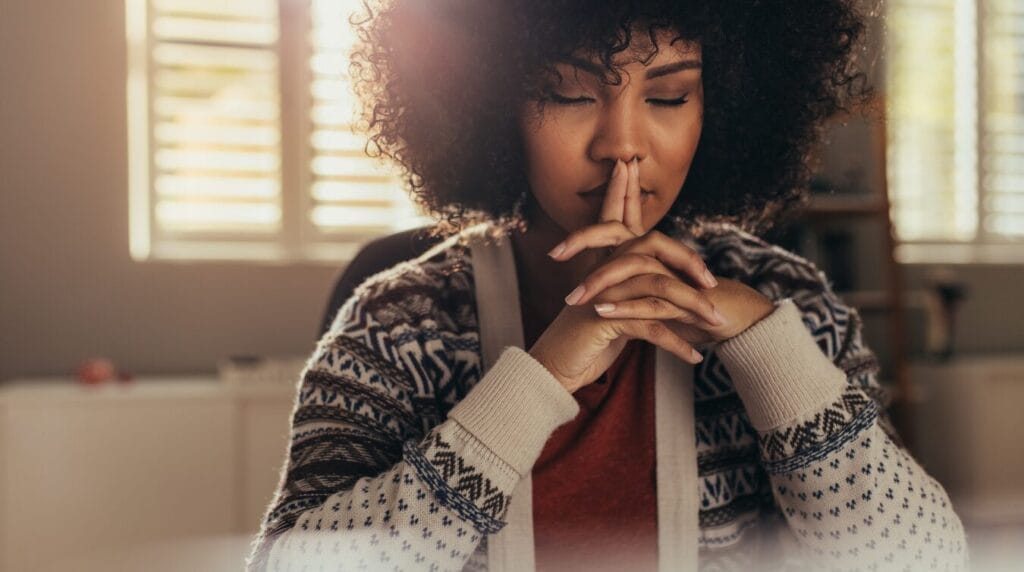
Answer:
x=68 y=288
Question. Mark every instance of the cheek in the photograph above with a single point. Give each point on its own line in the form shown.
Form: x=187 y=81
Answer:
x=548 y=153
x=680 y=146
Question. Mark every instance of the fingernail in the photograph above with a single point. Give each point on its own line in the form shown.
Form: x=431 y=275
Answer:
x=709 y=278
x=557 y=250
x=719 y=318
x=696 y=356
x=618 y=168
x=575 y=295
x=604 y=308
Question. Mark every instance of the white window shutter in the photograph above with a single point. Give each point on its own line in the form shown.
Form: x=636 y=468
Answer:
x=211 y=128
x=922 y=100
x=1002 y=121
x=353 y=197
x=955 y=87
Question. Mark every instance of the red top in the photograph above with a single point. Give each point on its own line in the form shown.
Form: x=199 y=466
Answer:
x=594 y=485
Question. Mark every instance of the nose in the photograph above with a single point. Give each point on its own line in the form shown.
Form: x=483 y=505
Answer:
x=619 y=134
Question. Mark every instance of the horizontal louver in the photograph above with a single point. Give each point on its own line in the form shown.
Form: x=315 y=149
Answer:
x=214 y=119
x=352 y=195
x=956 y=129
x=1002 y=166
x=922 y=128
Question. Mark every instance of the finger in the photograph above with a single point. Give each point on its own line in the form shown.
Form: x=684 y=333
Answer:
x=632 y=216
x=659 y=334
x=603 y=234
x=612 y=209
x=657 y=297
x=649 y=308
x=675 y=255
x=628 y=265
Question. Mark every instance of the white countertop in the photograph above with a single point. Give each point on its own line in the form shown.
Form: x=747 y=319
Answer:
x=181 y=387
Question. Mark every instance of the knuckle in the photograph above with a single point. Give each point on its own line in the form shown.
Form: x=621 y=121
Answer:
x=661 y=283
x=687 y=317
x=694 y=257
x=654 y=304
x=655 y=329
x=707 y=303
x=632 y=284
x=636 y=258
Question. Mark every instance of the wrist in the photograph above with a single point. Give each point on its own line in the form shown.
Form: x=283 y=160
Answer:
x=567 y=384
x=754 y=310
x=761 y=307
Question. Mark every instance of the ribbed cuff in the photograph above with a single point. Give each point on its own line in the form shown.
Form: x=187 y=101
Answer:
x=514 y=409
x=778 y=369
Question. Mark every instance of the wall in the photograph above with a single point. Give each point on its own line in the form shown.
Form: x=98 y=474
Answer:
x=68 y=288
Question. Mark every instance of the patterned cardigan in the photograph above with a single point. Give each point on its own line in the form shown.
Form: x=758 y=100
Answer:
x=394 y=464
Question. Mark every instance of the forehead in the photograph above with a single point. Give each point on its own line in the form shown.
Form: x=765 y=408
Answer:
x=640 y=52
x=673 y=54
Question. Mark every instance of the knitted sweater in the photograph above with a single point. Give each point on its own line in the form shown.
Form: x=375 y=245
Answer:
x=407 y=441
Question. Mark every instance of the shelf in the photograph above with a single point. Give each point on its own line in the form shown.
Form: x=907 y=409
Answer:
x=868 y=300
x=844 y=206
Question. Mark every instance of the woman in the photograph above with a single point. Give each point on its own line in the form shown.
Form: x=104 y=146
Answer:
x=700 y=398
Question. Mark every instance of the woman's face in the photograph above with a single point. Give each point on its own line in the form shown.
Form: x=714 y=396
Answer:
x=655 y=114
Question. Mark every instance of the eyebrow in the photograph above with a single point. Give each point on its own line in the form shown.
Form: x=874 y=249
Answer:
x=598 y=70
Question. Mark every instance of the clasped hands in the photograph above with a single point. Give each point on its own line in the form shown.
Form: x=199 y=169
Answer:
x=651 y=276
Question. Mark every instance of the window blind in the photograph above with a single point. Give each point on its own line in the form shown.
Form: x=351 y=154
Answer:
x=214 y=119
x=236 y=153
x=955 y=86
x=922 y=133
x=1002 y=121
x=351 y=195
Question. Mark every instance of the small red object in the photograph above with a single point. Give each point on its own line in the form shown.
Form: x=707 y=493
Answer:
x=94 y=371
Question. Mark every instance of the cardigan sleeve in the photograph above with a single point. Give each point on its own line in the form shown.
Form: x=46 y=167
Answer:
x=851 y=494
x=365 y=484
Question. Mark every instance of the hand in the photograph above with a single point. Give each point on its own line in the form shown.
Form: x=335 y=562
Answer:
x=652 y=296
x=635 y=283
x=579 y=345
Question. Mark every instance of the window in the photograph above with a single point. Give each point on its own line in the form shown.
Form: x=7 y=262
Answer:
x=241 y=144
x=956 y=129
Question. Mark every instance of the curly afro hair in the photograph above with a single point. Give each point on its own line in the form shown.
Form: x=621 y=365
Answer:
x=440 y=82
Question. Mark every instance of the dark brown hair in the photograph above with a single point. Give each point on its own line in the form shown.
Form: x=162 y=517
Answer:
x=440 y=82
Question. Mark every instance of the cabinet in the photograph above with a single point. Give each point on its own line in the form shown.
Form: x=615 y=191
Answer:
x=101 y=470
x=970 y=409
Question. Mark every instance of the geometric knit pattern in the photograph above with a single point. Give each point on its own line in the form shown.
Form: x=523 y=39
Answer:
x=800 y=444
x=377 y=478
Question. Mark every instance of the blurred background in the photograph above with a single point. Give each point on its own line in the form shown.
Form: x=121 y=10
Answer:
x=181 y=187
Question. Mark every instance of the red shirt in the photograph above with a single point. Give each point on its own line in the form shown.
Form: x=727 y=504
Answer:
x=594 y=485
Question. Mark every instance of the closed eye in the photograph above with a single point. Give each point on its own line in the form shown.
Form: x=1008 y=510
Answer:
x=554 y=97
x=558 y=99
x=669 y=102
